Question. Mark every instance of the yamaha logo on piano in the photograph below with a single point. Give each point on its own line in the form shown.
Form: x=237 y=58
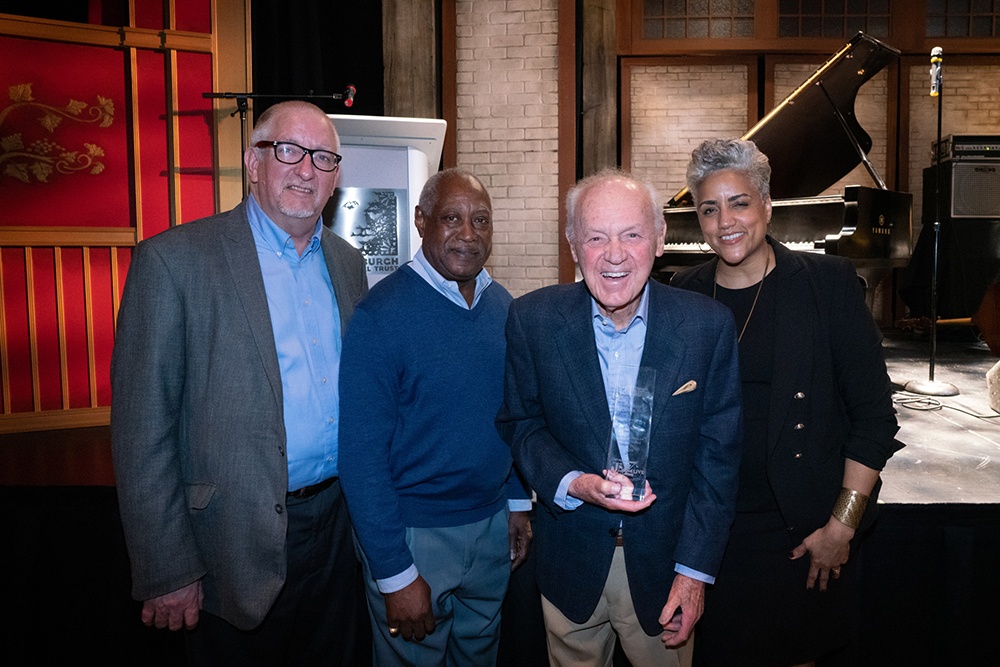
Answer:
x=882 y=226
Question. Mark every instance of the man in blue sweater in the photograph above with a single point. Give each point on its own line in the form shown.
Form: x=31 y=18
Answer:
x=440 y=516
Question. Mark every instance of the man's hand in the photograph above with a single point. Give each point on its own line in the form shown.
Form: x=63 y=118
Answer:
x=606 y=493
x=684 y=607
x=176 y=609
x=828 y=548
x=409 y=611
x=519 y=535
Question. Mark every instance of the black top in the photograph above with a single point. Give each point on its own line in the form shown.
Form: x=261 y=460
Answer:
x=756 y=366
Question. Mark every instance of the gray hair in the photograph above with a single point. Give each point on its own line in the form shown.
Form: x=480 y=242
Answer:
x=608 y=175
x=431 y=191
x=738 y=155
x=265 y=124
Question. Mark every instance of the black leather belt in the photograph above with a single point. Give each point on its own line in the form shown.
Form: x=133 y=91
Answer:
x=312 y=489
x=617 y=534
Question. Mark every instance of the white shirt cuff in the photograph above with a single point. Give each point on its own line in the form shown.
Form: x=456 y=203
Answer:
x=694 y=574
x=519 y=505
x=398 y=582
x=563 y=499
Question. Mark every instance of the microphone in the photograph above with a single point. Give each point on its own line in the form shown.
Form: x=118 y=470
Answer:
x=349 y=95
x=936 y=71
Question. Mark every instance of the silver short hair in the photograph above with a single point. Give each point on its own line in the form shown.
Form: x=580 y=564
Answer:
x=608 y=175
x=740 y=155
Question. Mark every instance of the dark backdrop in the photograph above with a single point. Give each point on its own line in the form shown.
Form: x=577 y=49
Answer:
x=929 y=581
x=319 y=47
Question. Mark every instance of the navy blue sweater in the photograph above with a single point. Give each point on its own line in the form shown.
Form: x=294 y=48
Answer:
x=421 y=380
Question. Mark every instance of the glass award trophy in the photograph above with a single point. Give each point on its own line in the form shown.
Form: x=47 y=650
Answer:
x=631 y=418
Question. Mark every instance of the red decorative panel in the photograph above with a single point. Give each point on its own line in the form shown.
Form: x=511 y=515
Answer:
x=192 y=15
x=63 y=157
x=149 y=14
x=195 y=122
x=151 y=124
x=123 y=256
x=102 y=318
x=77 y=353
x=47 y=328
x=15 y=322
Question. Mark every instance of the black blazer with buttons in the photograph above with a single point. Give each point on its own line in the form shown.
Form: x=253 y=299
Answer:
x=831 y=394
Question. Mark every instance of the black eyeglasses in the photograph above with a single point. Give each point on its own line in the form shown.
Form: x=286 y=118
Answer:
x=288 y=153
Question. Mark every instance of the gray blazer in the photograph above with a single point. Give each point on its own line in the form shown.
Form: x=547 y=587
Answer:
x=196 y=414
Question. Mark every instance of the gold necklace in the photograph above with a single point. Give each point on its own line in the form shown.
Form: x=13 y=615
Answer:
x=760 y=286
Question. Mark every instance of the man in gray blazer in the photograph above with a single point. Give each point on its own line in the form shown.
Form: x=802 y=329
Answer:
x=224 y=413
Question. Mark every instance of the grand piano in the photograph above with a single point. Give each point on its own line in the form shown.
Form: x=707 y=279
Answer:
x=812 y=140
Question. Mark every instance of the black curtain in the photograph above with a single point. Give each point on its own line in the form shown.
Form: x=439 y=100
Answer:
x=318 y=47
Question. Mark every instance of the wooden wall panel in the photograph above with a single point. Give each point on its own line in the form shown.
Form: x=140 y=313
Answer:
x=195 y=136
x=75 y=331
x=58 y=319
x=148 y=14
x=102 y=324
x=45 y=325
x=63 y=139
x=153 y=197
x=64 y=256
x=192 y=15
x=16 y=352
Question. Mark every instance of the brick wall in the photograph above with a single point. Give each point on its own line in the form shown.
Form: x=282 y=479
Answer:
x=675 y=108
x=507 y=123
x=506 y=132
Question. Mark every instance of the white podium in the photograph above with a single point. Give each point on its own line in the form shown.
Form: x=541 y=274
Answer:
x=386 y=162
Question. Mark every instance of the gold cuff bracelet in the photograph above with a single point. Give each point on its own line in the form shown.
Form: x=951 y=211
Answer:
x=850 y=507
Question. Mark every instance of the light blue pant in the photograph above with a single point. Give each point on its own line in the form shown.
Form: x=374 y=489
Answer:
x=467 y=568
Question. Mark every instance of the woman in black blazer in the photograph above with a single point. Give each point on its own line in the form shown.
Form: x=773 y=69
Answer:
x=818 y=425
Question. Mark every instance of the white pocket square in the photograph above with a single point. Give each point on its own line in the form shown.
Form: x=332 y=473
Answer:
x=690 y=385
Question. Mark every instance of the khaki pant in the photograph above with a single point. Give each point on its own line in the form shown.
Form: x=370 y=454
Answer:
x=592 y=643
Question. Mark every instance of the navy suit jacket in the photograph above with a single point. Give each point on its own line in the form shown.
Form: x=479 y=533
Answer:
x=555 y=417
x=197 y=426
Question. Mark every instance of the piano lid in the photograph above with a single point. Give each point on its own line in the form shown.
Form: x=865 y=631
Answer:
x=813 y=139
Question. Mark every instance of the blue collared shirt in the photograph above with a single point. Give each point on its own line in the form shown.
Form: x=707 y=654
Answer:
x=448 y=288
x=620 y=353
x=305 y=321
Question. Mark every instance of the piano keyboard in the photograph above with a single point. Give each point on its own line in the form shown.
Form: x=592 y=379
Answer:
x=704 y=249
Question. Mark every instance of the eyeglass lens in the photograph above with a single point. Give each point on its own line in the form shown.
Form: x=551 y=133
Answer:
x=289 y=153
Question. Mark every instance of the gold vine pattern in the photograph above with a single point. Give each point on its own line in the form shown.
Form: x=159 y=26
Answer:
x=44 y=157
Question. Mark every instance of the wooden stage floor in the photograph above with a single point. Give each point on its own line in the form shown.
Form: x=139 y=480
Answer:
x=952 y=452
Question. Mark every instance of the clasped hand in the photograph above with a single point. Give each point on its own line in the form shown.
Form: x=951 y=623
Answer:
x=613 y=493
x=176 y=609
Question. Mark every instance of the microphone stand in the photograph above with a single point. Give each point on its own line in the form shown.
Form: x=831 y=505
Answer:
x=930 y=387
x=242 y=107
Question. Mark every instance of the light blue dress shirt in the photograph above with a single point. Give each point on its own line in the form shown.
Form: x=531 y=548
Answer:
x=305 y=321
x=620 y=353
x=448 y=288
